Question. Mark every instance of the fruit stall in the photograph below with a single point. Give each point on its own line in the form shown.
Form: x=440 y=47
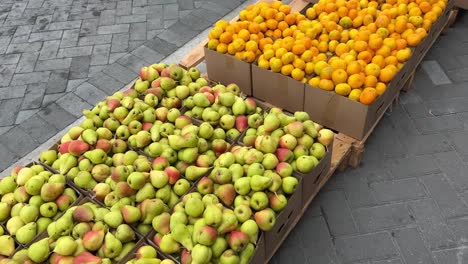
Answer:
x=183 y=167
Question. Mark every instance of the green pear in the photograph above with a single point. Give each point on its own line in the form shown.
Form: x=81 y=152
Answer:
x=96 y=156
x=247 y=254
x=181 y=234
x=201 y=254
x=260 y=183
x=7 y=185
x=229 y=222
x=39 y=251
x=161 y=223
x=51 y=191
x=65 y=246
x=113 y=219
x=26 y=233
x=29 y=213
x=4 y=211
x=14 y=224
x=169 y=245
x=112 y=246
x=213 y=215
x=8 y=245
x=67 y=161
x=24 y=175
x=124 y=233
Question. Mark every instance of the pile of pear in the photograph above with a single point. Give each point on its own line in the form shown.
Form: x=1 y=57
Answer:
x=200 y=229
x=293 y=139
x=146 y=254
x=31 y=197
x=222 y=107
x=86 y=233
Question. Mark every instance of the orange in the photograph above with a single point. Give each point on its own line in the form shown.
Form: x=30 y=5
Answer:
x=337 y=63
x=356 y=80
x=382 y=21
x=400 y=44
x=280 y=52
x=379 y=60
x=315 y=81
x=341 y=49
x=297 y=74
x=355 y=94
x=298 y=63
x=249 y=56
x=288 y=57
x=384 y=51
x=403 y=54
x=264 y=64
x=391 y=60
x=244 y=34
x=387 y=73
x=353 y=68
x=309 y=68
x=368 y=96
x=251 y=46
x=380 y=88
x=215 y=32
x=360 y=45
x=339 y=76
x=326 y=73
x=271 y=24
x=222 y=48
x=413 y=39
x=365 y=56
x=212 y=43
x=290 y=19
x=287 y=69
x=311 y=14
x=343 y=89
x=298 y=49
x=323 y=46
x=326 y=85
x=332 y=45
x=307 y=56
x=375 y=43
x=371 y=81
x=285 y=9
x=238 y=44
x=372 y=69
x=276 y=64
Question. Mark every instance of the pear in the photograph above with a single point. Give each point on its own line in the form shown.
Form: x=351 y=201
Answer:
x=14 y=224
x=169 y=245
x=51 y=191
x=113 y=219
x=161 y=223
x=126 y=248
x=229 y=222
x=112 y=246
x=146 y=192
x=42 y=224
x=93 y=239
x=96 y=156
x=213 y=215
x=247 y=254
x=67 y=161
x=65 y=246
x=200 y=253
x=260 y=183
x=7 y=185
x=124 y=233
x=193 y=173
x=39 y=251
x=8 y=245
x=26 y=233
x=181 y=234
x=4 y=211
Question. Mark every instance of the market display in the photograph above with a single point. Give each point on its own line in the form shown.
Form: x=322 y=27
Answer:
x=353 y=48
x=198 y=170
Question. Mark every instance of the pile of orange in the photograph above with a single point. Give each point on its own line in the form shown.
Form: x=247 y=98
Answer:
x=352 y=47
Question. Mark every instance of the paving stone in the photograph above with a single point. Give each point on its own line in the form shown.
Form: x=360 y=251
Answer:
x=432 y=225
x=358 y=191
x=6 y=73
x=9 y=59
x=171 y=11
x=379 y=218
x=417 y=110
x=130 y=19
x=464 y=118
x=49 y=50
x=435 y=124
x=389 y=261
x=185 y=4
x=362 y=247
x=112 y=29
x=458 y=75
x=89 y=93
x=89 y=27
x=106 y=83
x=216 y=7
x=107 y=17
x=12 y=92
x=54 y=64
x=138 y=31
x=120 y=73
x=153 y=10
x=337 y=213
x=18 y=141
x=47 y=35
x=459 y=226
x=161 y=46
x=447 y=91
x=94 y=70
x=178 y=34
x=195 y=22
x=399 y=190
x=70 y=38
x=113 y=57
x=445 y=196
x=455 y=255
x=309 y=242
x=75 y=52
x=120 y=42
x=57 y=82
x=454 y=169
x=27 y=78
x=56 y=115
x=39 y=129
x=413 y=166
x=72 y=84
x=148 y=54
x=33 y=96
x=73 y=104
x=24 y=47
x=94 y=40
x=133 y=44
x=132 y=62
x=100 y=54
x=435 y=72
x=51 y=98
x=6 y=157
x=205 y=14
x=9 y=109
x=27 y=62
x=426 y=144
x=412 y=246
x=79 y=67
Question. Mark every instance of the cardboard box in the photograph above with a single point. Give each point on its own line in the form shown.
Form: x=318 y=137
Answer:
x=462 y=4
x=284 y=221
x=311 y=179
x=277 y=89
x=228 y=69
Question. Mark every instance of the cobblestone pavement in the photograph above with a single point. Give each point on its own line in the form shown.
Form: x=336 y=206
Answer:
x=58 y=57
x=407 y=203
